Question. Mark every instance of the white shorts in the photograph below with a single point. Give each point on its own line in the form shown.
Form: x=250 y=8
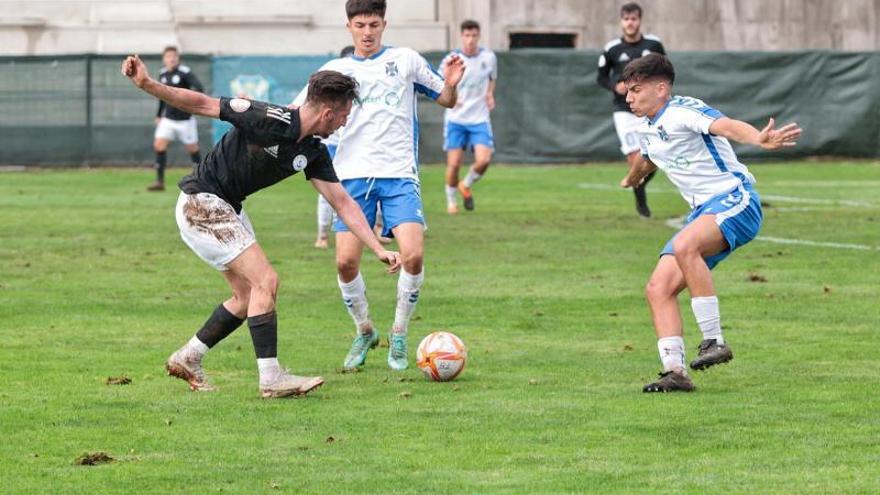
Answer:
x=185 y=131
x=212 y=229
x=626 y=124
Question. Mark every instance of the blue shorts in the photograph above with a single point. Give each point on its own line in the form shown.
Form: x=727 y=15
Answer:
x=401 y=201
x=738 y=215
x=461 y=136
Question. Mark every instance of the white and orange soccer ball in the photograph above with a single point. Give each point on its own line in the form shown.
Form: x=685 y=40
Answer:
x=442 y=356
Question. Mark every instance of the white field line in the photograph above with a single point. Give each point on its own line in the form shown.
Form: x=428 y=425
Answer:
x=769 y=197
x=678 y=223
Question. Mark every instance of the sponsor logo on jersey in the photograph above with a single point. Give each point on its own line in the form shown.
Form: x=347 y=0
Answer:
x=300 y=162
x=623 y=57
x=272 y=150
x=239 y=104
x=391 y=69
x=646 y=52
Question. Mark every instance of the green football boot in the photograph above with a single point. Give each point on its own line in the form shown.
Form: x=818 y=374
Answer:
x=362 y=343
x=397 y=352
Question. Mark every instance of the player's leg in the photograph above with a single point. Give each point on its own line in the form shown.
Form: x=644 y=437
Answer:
x=162 y=137
x=325 y=219
x=253 y=266
x=662 y=290
x=411 y=240
x=351 y=282
x=625 y=124
x=481 y=141
x=454 y=158
x=402 y=203
x=701 y=240
x=633 y=159
x=186 y=362
x=189 y=136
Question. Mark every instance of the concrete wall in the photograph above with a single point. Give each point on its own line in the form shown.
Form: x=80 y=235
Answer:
x=222 y=27
x=692 y=25
x=39 y=27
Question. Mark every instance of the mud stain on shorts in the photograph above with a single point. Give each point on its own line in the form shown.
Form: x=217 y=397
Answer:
x=218 y=220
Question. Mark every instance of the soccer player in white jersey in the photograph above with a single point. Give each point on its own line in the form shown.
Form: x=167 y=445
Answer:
x=467 y=125
x=325 y=212
x=376 y=160
x=688 y=140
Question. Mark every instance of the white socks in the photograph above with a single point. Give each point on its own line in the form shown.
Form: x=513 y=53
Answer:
x=408 y=286
x=671 y=353
x=269 y=369
x=708 y=317
x=471 y=178
x=196 y=346
x=451 y=195
x=354 y=295
x=325 y=216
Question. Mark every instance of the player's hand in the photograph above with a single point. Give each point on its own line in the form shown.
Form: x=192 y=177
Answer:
x=490 y=101
x=454 y=70
x=620 y=88
x=390 y=258
x=629 y=181
x=784 y=137
x=134 y=69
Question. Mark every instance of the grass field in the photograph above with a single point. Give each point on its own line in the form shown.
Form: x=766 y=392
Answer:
x=544 y=283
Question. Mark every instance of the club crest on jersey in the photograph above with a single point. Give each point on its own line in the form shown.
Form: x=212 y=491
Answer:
x=300 y=162
x=661 y=132
x=391 y=69
x=175 y=79
x=239 y=104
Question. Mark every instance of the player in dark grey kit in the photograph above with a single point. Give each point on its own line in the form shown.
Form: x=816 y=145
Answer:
x=267 y=144
x=173 y=123
x=619 y=52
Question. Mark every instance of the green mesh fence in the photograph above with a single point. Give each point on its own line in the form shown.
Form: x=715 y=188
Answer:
x=74 y=110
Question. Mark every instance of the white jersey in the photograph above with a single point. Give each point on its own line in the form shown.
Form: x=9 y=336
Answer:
x=472 y=107
x=678 y=141
x=381 y=136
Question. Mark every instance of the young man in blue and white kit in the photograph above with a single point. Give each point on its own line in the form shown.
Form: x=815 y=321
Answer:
x=376 y=160
x=467 y=125
x=688 y=140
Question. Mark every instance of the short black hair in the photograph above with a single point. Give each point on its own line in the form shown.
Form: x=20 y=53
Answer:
x=365 y=7
x=346 y=52
x=651 y=66
x=331 y=88
x=470 y=24
x=170 y=48
x=629 y=8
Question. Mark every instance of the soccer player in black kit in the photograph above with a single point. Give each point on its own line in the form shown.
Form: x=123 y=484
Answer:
x=173 y=123
x=619 y=52
x=267 y=144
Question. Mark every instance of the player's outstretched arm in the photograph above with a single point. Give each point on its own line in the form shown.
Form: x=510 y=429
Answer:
x=638 y=172
x=351 y=214
x=189 y=101
x=768 y=138
x=453 y=71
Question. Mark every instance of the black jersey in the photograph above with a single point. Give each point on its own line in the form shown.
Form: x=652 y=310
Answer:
x=614 y=58
x=179 y=77
x=262 y=149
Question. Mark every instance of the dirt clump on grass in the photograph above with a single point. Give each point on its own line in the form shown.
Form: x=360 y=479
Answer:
x=93 y=459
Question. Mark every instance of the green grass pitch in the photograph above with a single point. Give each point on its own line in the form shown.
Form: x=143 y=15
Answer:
x=544 y=282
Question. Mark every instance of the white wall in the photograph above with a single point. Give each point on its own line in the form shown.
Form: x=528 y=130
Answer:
x=317 y=26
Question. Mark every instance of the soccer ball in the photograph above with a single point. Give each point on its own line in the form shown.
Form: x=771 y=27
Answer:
x=441 y=356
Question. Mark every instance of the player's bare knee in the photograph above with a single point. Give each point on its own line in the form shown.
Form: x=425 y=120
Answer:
x=684 y=247
x=347 y=268
x=412 y=262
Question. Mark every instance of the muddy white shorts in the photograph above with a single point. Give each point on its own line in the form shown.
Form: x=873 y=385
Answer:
x=185 y=131
x=212 y=229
